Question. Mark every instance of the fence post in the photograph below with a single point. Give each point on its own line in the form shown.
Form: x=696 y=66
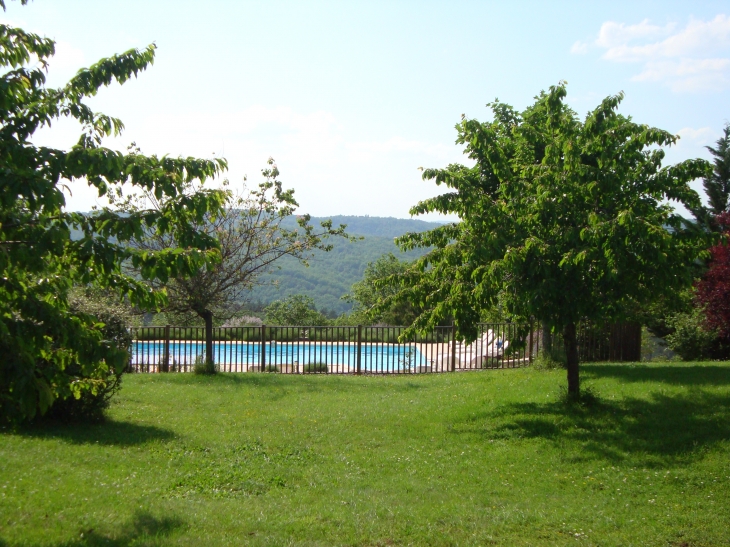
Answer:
x=135 y=342
x=166 y=357
x=636 y=327
x=453 y=347
x=359 y=349
x=529 y=359
x=262 y=347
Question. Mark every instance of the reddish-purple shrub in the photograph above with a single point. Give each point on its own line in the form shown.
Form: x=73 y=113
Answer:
x=713 y=291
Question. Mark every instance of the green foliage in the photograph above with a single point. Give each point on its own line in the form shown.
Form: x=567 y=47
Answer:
x=550 y=360
x=680 y=323
x=315 y=367
x=349 y=320
x=113 y=317
x=107 y=308
x=373 y=288
x=203 y=366
x=42 y=338
x=294 y=310
x=691 y=339
x=561 y=220
x=657 y=314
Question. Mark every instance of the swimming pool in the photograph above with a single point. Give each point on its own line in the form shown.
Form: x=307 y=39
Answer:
x=241 y=356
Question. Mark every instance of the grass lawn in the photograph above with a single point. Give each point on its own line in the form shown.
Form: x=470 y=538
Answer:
x=480 y=458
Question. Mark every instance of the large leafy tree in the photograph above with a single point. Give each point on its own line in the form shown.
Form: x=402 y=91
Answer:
x=716 y=185
x=560 y=220
x=42 y=338
x=253 y=237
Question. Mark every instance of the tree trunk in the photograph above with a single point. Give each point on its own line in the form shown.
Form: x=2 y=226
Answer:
x=571 y=352
x=208 y=318
x=547 y=340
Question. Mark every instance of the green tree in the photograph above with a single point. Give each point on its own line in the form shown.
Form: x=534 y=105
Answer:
x=42 y=337
x=560 y=220
x=717 y=185
x=369 y=291
x=294 y=310
x=252 y=237
x=116 y=317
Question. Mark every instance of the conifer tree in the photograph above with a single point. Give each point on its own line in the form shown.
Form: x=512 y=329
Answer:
x=717 y=185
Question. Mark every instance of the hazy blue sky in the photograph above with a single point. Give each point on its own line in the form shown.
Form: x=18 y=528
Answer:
x=350 y=98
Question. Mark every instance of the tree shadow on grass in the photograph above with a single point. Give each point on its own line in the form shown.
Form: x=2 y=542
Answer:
x=675 y=374
x=109 y=432
x=657 y=431
x=143 y=529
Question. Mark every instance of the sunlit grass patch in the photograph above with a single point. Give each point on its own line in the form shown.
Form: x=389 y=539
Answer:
x=489 y=457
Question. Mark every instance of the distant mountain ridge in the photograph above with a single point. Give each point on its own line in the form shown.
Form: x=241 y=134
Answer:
x=330 y=275
x=390 y=227
x=383 y=226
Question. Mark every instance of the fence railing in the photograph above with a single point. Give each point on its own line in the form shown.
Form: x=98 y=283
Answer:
x=330 y=350
x=614 y=342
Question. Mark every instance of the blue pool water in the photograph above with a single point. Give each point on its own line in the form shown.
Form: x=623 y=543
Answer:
x=372 y=357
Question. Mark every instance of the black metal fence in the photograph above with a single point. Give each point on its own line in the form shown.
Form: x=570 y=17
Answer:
x=330 y=350
x=366 y=349
x=614 y=342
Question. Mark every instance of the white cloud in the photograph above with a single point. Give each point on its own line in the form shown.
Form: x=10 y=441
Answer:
x=579 y=48
x=693 y=58
x=703 y=135
x=615 y=35
x=688 y=74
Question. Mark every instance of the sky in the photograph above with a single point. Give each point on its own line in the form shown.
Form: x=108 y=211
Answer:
x=351 y=98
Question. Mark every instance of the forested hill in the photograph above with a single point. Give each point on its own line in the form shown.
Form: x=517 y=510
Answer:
x=387 y=227
x=330 y=275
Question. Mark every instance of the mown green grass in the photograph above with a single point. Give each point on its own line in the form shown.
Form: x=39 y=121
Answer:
x=482 y=458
